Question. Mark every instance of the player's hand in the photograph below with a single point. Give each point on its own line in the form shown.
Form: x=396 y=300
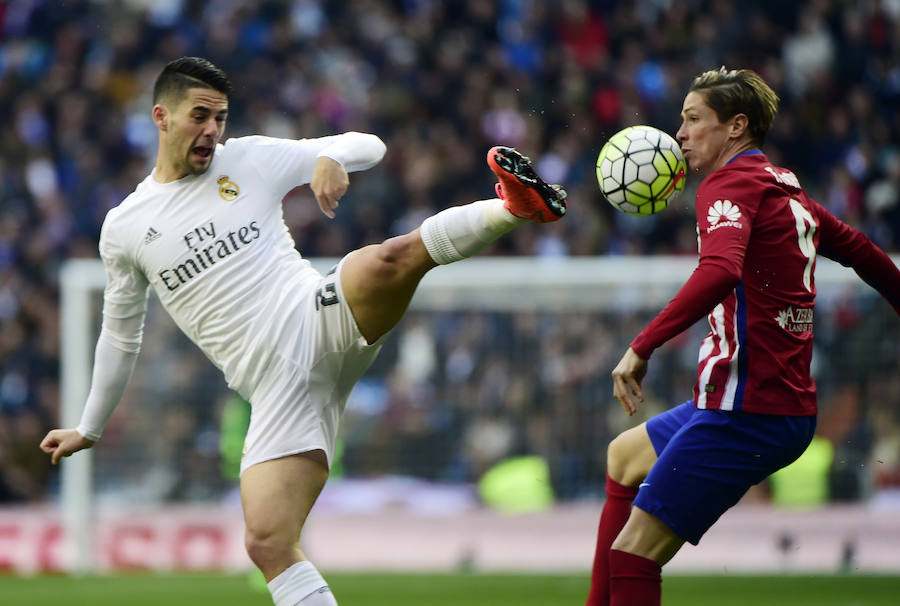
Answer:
x=329 y=183
x=61 y=443
x=627 y=377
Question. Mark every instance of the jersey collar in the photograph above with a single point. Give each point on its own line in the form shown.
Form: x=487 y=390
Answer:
x=749 y=152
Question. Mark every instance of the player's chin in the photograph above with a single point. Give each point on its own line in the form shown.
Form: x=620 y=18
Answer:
x=199 y=164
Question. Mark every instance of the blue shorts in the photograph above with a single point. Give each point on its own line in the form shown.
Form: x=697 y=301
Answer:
x=708 y=459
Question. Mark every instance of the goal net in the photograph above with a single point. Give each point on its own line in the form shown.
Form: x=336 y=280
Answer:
x=497 y=358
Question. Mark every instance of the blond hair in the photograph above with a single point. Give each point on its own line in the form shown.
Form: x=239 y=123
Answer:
x=739 y=91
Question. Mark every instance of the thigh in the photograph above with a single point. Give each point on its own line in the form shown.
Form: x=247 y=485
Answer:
x=297 y=403
x=277 y=495
x=379 y=281
x=632 y=454
x=296 y=409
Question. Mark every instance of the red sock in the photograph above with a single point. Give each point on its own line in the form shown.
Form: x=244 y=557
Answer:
x=633 y=580
x=612 y=520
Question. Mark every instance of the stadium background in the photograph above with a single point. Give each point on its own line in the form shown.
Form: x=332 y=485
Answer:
x=453 y=393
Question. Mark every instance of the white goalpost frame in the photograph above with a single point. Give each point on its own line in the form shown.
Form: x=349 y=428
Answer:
x=488 y=283
x=79 y=280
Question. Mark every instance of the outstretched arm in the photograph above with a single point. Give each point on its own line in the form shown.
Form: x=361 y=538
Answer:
x=852 y=248
x=287 y=163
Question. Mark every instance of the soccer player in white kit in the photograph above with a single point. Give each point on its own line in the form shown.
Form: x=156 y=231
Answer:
x=206 y=231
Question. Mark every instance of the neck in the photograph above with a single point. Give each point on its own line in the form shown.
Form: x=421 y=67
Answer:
x=165 y=170
x=730 y=151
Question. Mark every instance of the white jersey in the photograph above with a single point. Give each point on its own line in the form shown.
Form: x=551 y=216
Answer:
x=216 y=250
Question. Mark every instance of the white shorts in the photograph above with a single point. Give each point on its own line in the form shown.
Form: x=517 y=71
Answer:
x=297 y=405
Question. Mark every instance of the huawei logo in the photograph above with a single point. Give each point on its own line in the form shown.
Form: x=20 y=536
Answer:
x=723 y=209
x=723 y=214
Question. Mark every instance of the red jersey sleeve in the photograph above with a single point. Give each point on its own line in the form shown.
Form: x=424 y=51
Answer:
x=708 y=285
x=852 y=248
x=724 y=218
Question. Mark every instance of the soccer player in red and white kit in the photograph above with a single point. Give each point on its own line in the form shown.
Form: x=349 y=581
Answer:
x=206 y=231
x=754 y=405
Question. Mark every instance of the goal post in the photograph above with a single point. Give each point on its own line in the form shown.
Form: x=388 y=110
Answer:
x=80 y=280
x=570 y=287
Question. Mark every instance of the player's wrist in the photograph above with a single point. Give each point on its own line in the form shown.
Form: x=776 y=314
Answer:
x=641 y=348
x=329 y=156
x=88 y=434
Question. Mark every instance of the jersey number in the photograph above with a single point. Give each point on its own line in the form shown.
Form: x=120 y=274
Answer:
x=327 y=295
x=806 y=228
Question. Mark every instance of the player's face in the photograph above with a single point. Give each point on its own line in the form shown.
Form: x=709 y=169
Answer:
x=704 y=140
x=193 y=128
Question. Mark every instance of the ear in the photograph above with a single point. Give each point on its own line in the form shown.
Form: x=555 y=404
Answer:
x=161 y=117
x=739 y=125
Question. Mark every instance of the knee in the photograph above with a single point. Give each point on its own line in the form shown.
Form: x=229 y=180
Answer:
x=268 y=549
x=629 y=459
x=396 y=258
x=390 y=254
x=617 y=460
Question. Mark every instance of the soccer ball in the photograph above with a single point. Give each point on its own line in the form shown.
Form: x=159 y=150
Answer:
x=640 y=170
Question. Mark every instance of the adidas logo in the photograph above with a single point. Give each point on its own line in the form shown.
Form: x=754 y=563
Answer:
x=152 y=235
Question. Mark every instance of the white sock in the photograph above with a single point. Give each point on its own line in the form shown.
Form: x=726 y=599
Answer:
x=320 y=597
x=459 y=232
x=301 y=585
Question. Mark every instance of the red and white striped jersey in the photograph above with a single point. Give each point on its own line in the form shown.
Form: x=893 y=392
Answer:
x=759 y=234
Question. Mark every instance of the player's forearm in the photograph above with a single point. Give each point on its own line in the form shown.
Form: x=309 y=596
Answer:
x=114 y=358
x=710 y=283
x=852 y=248
x=869 y=262
x=879 y=272
x=113 y=367
x=354 y=151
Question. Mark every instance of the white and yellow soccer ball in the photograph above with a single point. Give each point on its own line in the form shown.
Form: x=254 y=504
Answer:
x=640 y=170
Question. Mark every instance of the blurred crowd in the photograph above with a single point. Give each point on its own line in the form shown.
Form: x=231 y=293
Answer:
x=440 y=82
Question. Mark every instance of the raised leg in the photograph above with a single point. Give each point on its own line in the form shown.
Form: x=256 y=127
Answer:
x=379 y=281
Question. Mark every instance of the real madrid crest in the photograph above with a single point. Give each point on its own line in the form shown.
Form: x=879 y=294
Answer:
x=228 y=189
